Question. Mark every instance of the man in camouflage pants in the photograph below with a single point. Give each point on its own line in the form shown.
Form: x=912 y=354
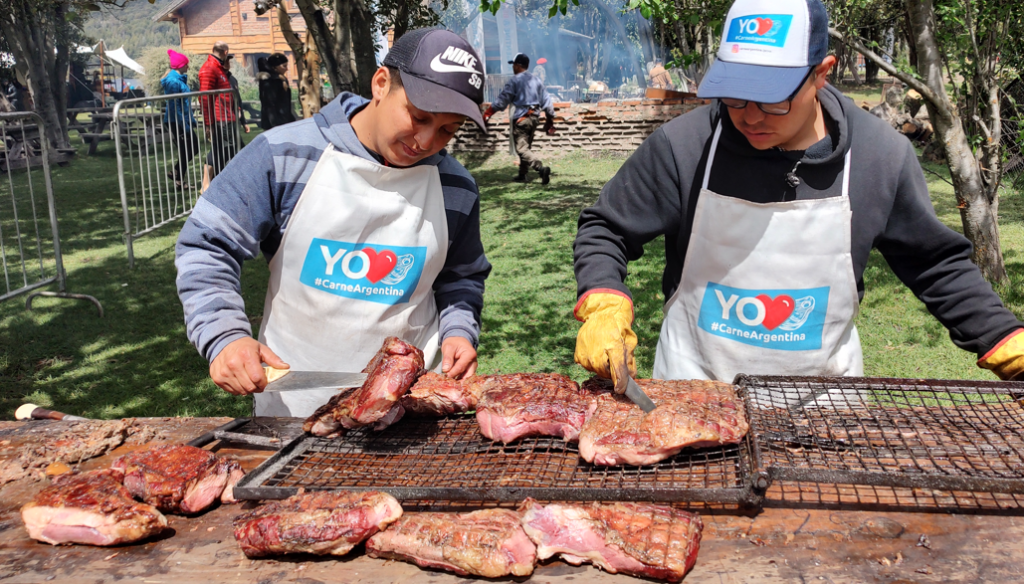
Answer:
x=526 y=92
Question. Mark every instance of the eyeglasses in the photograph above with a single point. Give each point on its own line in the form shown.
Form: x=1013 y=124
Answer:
x=773 y=109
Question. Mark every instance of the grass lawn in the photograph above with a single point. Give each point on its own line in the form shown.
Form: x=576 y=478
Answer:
x=137 y=362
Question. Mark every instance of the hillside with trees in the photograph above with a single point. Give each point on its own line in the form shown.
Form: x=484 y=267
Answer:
x=131 y=26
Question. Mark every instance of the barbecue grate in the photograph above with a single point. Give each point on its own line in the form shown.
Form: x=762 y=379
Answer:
x=917 y=434
x=447 y=459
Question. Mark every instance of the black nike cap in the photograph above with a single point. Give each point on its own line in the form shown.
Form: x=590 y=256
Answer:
x=441 y=72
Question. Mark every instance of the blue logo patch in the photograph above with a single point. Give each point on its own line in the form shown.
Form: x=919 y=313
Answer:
x=387 y=274
x=787 y=320
x=760 y=29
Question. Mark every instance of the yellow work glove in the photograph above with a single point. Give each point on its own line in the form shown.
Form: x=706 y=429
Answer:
x=605 y=339
x=1007 y=358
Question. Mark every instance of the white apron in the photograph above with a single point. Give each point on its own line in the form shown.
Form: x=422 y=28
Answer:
x=357 y=263
x=766 y=289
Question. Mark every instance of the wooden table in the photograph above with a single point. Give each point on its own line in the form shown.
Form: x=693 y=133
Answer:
x=777 y=545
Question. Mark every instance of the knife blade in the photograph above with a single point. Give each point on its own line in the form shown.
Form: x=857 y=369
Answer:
x=288 y=380
x=625 y=384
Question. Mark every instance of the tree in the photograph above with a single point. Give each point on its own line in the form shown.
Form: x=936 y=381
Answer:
x=965 y=41
x=307 y=62
x=41 y=35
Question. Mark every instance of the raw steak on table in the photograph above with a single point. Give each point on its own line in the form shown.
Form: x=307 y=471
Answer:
x=489 y=543
x=320 y=522
x=92 y=508
x=390 y=374
x=439 y=395
x=531 y=404
x=689 y=413
x=176 y=478
x=639 y=539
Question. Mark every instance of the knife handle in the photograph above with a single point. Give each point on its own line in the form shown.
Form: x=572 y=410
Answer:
x=273 y=373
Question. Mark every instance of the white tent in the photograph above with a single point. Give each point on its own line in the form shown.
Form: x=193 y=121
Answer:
x=119 y=57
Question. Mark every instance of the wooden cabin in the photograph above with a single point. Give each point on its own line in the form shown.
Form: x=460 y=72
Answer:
x=249 y=36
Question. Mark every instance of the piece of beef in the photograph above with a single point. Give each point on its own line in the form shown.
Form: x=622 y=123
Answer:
x=92 y=508
x=176 y=478
x=639 y=539
x=689 y=413
x=76 y=441
x=489 y=543
x=531 y=404
x=434 y=394
x=390 y=374
x=321 y=522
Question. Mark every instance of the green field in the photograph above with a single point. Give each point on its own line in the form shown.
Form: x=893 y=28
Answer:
x=137 y=362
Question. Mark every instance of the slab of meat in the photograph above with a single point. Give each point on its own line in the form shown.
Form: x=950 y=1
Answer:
x=639 y=539
x=489 y=543
x=390 y=374
x=320 y=522
x=176 y=478
x=92 y=508
x=439 y=395
x=531 y=404
x=67 y=442
x=689 y=413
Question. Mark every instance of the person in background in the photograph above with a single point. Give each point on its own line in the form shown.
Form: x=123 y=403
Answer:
x=178 y=115
x=539 y=72
x=242 y=122
x=659 y=77
x=275 y=93
x=219 y=112
x=527 y=94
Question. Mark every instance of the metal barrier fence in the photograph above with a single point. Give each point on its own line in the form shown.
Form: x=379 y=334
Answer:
x=168 y=149
x=30 y=254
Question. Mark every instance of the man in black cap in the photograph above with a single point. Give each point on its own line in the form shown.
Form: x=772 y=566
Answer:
x=370 y=227
x=526 y=92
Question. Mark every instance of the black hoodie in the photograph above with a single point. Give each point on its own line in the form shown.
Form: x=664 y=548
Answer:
x=656 y=190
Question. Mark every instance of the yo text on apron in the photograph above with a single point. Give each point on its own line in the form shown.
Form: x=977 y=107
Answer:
x=356 y=264
x=766 y=289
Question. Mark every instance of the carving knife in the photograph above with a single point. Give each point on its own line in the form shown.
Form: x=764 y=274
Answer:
x=624 y=383
x=288 y=380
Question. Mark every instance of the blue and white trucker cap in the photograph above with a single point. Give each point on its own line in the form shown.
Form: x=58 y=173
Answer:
x=768 y=47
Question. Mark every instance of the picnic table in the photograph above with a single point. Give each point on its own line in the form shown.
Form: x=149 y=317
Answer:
x=21 y=147
x=97 y=130
x=778 y=545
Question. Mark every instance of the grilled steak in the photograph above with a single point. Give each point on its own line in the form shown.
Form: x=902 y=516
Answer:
x=91 y=508
x=531 y=404
x=390 y=374
x=439 y=395
x=179 y=479
x=489 y=543
x=633 y=538
x=316 y=523
x=688 y=414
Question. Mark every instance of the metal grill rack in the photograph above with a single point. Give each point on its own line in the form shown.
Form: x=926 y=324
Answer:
x=956 y=436
x=447 y=459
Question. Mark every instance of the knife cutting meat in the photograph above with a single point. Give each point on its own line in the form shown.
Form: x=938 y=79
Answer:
x=289 y=380
x=625 y=384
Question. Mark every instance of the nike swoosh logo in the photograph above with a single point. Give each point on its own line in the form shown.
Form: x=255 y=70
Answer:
x=440 y=67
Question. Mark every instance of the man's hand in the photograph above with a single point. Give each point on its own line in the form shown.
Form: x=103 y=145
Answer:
x=549 y=125
x=238 y=369
x=607 y=318
x=488 y=113
x=458 y=358
x=1007 y=358
x=246 y=127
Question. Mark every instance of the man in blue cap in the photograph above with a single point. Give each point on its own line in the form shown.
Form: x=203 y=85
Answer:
x=526 y=92
x=770 y=200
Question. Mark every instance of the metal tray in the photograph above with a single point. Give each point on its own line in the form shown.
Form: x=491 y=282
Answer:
x=908 y=433
x=447 y=459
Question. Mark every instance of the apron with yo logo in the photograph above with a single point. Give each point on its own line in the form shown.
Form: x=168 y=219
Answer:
x=357 y=264
x=766 y=289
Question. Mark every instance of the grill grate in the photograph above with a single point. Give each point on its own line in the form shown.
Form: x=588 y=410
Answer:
x=447 y=459
x=924 y=434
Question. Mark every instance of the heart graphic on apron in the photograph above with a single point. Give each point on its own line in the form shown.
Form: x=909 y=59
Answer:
x=763 y=26
x=776 y=311
x=382 y=263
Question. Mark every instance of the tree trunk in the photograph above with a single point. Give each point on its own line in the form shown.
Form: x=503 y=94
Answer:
x=854 y=68
x=977 y=207
x=402 y=20
x=871 y=68
x=307 y=64
x=364 y=56
x=326 y=43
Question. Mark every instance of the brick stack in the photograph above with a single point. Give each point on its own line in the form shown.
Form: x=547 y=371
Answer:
x=612 y=125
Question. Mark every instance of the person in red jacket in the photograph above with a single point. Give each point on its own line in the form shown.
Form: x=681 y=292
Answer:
x=219 y=112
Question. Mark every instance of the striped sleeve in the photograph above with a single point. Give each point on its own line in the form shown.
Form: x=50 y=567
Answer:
x=459 y=288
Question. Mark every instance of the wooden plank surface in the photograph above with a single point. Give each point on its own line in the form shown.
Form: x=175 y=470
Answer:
x=778 y=545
